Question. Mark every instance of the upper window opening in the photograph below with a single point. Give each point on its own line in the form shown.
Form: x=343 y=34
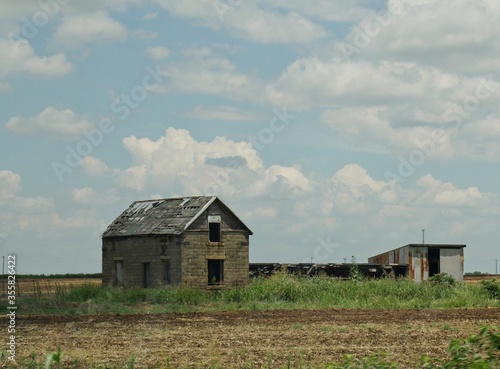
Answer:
x=214 y=228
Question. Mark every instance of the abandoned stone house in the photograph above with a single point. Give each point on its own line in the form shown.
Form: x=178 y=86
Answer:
x=189 y=241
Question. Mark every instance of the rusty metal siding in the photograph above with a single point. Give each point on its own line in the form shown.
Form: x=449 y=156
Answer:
x=379 y=259
x=402 y=255
x=419 y=264
x=397 y=256
x=451 y=262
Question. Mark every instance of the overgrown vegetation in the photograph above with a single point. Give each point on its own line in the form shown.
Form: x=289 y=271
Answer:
x=280 y=291
x=443 y=280
x=481 y=351
x=492 y=287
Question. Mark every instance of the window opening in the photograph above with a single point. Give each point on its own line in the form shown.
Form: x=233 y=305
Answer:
x=215 y=272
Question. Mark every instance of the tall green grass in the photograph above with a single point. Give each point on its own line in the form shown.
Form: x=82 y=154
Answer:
x=280 y=291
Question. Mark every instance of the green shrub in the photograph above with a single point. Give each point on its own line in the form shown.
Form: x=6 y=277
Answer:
x=475 y=352
x=83 y=293
x=492 y=287
x=443 y=280
x=355 y=274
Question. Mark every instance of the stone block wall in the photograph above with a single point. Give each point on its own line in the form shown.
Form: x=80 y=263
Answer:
x=134 y=252
x=196 y=251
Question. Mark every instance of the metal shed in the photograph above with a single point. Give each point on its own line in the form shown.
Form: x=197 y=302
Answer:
x=426 y=260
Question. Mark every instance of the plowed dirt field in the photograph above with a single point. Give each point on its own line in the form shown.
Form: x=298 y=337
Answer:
x=238 y=339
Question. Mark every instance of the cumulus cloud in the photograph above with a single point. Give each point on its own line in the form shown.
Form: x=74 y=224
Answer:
x=454 y=30
x=80 y=29
x=338 y=11
x=202 y=71
x=447 y=195
x=313 y=82
x=64 y=124
x=144 y=34
x=247 y=20
x=10 y=186
x=368 y=105
x=38 y=220
x=221 y=112
x=89 y=197
x=157 y=52
x=182 y=164
x=93 y=166
x=18 y=56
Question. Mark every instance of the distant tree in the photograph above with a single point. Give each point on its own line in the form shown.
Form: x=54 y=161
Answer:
x=476 y=273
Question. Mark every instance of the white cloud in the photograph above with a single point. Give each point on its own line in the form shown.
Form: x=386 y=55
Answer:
x=93 y=166
x=447 y=195
x=149 y=16
x=158 y=52
x=178 y=163
x=311 y=82
x=203 y=72
x=271 y=28
x=19 y=57
x=89 y=197
x=52 y=122
x=10 y=184
x=249 y=21
x=393 y=106
x=80 y=29
x=339 y=10
x=11 y=202
x=223 y=112
x=459 y=35
x=144 y=34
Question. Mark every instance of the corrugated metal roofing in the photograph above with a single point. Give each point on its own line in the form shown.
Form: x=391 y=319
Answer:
x=163 y=216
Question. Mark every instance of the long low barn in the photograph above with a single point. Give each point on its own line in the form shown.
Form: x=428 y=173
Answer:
x=331 y=270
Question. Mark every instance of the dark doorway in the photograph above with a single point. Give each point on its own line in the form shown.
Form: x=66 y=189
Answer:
x=434 y=262
x=215 y=272
x=147 y=274
x=166 y=271
x=119 y=272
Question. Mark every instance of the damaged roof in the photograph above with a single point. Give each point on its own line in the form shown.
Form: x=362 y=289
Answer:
x=163 y=216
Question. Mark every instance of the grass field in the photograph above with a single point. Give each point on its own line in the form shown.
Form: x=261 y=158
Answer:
x=279 y=322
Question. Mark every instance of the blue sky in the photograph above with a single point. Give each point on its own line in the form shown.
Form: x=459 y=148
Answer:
x=333 y=129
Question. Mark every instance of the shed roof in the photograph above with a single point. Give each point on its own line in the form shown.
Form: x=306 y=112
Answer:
x=438 y=245
x=162 y=216
x=429 y=245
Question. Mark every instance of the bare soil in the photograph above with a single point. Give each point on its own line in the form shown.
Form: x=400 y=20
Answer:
x=238 y=339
